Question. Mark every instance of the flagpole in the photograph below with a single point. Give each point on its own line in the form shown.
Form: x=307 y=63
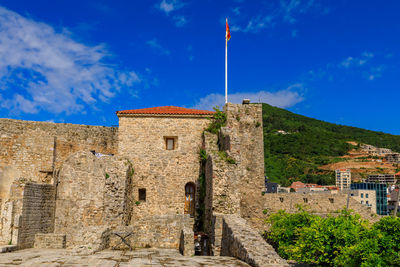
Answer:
x=226 y=65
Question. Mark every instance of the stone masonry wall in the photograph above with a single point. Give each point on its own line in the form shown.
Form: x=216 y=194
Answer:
x=245 y=128
x=10 y=214
x=162 y=173
x=160 y=231
x=242 y=242
x=317 y=203
x=37 y=213
x=234 y=169
x=28 y=146
x=92 y=196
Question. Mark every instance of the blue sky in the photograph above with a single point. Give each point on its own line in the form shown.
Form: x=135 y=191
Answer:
x=80 y=61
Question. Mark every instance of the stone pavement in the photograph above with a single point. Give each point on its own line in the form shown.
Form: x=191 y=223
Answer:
x=110 y=258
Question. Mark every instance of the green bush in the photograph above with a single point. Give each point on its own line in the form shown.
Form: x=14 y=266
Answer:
x=218 y=121
x=344 y=240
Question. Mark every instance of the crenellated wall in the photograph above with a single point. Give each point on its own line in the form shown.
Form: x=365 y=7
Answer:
x=323 y=203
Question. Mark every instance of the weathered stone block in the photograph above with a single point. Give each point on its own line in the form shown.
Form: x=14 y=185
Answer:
x=50 y=240
x=186 y=246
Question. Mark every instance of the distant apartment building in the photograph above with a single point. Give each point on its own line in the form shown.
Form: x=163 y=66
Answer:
x=365 y=197
x=381 y=178
x=343 y=179
x=393 y=157
x=376 y=151
x=380 y=193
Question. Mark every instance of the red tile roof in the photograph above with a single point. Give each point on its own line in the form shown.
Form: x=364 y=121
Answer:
x=397 y=174
x=167 y=110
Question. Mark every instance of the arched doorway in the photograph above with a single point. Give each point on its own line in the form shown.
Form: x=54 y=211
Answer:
x=190 y=189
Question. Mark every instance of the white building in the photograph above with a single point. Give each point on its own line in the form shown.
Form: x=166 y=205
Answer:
x=343 y=179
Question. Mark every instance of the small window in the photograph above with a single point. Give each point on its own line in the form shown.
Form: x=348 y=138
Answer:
x=362 y=195
x=366 y=196
x=281 y=199
x=362 y=201
x=170 y=143
x=331 y=200
x=366 y=202
x=142 y=194
x=305 y=200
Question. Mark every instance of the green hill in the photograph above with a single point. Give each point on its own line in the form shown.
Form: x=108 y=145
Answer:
x=307 y=143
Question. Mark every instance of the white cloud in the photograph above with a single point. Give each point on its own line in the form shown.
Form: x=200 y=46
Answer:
x=179 y=20
x=363 y=65
x=287 y=11
x=42 y=69
x=284 y=98
x=356 y=61
x=170 y=5
x=157 y=46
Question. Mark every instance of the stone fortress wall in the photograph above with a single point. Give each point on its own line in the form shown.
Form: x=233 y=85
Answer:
x=30 y=148
x=31 y=152
x=320 y=203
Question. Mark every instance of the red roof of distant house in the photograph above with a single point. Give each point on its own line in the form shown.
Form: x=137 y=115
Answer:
x=167 y=110
x=297 y=185
x=397 y=174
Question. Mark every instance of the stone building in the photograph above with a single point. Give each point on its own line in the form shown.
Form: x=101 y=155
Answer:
x=365 y=197
x=163 y=145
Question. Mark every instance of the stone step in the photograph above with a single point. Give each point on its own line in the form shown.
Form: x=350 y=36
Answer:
x=8 y=248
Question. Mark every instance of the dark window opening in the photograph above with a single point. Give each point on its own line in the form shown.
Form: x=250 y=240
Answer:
x=142 y=194
x=281 y=199
x=305 y=200
x=331 y=200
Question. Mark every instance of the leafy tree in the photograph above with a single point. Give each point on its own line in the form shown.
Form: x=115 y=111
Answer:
x=343 y=240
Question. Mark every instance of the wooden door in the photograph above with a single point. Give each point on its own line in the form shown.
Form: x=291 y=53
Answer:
x=189 y=198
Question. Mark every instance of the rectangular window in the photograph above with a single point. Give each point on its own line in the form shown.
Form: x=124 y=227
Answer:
x=142 y=194
x=281 y=199
x=362 y=195
x=305 y=200
x=362 y=201
x=331 y=200
x=170 y=143
x=366 y=195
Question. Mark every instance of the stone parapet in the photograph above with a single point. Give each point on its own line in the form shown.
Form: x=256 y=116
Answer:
x=317 y=203
x=49 y=241
x=240 y=241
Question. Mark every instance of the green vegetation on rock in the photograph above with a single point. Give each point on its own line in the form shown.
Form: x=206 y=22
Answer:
x=306 y=143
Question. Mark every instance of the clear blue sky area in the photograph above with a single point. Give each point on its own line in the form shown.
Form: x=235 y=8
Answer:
x=80 y=61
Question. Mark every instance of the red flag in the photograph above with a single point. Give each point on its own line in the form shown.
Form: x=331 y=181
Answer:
x=228 y=33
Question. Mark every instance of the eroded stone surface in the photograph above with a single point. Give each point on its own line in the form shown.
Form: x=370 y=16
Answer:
x=111 y=258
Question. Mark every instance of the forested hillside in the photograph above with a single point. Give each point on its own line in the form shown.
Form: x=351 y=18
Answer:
x=296 y=145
